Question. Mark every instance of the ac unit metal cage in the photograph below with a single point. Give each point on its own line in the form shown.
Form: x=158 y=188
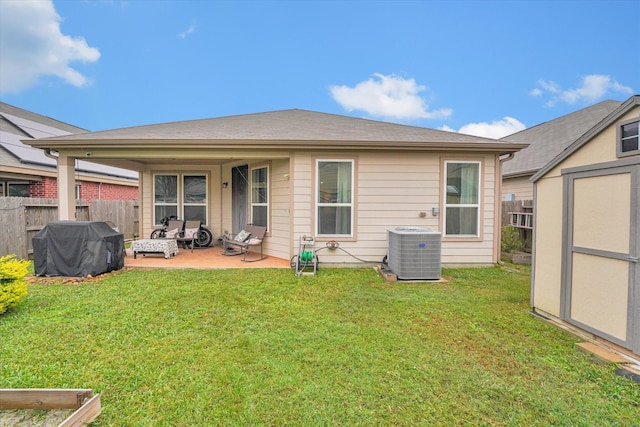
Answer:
x=415 y=253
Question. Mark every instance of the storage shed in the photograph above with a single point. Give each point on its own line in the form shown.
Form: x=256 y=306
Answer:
x=77 y=249
x=586 y=269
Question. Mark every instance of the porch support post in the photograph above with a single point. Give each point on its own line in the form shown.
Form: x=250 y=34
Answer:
x=66 y=188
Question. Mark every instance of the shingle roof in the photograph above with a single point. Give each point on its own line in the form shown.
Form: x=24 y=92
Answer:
x=550 y=138
x=611 y=118
x=294 y=126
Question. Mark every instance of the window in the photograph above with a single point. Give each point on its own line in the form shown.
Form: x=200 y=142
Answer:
x=193 y=200
x=165 y=196
x=462 y=199
x=1 y=189
x=628 y=138
x=18 y=189
x=334 y=197
x=260 y=196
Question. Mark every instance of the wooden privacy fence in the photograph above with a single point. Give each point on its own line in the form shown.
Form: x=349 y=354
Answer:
x=22 y=217
x=522 y=206
x=519 y=214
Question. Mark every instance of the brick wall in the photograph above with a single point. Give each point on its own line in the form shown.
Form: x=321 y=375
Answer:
x=48 y=188
x=97 y=191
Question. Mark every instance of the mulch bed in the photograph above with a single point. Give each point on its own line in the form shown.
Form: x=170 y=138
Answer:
x=51 y=280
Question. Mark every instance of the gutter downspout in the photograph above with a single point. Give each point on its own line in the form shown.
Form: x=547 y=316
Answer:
x=498 y=244
x=47 y=152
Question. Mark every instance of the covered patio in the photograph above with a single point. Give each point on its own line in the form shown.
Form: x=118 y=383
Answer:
x=202 y=258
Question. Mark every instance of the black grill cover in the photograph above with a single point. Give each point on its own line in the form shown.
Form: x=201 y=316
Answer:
x=77 y=249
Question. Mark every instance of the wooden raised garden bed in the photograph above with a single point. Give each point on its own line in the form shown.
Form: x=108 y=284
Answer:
x=85 y=404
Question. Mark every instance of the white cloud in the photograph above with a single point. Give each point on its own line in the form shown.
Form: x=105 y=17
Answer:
x=496 y=129
x=592 y=88
x=190 y=30
x=32 y=45
x=387 y=96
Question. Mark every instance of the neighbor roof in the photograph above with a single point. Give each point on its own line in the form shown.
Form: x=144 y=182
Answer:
x=622 y=109
x=548 y=139
x=300 y=129
x=18 y=125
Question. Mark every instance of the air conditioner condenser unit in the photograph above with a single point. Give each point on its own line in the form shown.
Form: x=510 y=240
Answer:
x=415 y=253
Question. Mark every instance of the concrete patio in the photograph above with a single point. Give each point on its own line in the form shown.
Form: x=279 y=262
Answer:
x=202 y=258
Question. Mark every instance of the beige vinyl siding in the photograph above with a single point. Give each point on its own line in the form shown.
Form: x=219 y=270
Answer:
x=146 y=196
x=521 y=187
x=393 y=190
x=302 y=193
x=278 y=201
x=277 y=242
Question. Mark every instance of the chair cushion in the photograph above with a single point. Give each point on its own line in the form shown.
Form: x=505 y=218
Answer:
x=172 y=234
x=190 y=233
x=242 y=236
x=254 y=241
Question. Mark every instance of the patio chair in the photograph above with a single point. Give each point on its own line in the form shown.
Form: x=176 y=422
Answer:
x=190 y=234
x=175 y=228
x=251 y=236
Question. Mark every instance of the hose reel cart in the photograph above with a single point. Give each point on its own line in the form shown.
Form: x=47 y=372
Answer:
x=306 y=262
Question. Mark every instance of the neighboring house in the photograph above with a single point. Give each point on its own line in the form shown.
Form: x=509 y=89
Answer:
x=28 y=172
x=586 y=268
x=546 y=141
x=303 y=173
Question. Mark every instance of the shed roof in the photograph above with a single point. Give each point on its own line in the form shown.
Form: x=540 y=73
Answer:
x=611 y=118
x=550 y=138
x=286 y=129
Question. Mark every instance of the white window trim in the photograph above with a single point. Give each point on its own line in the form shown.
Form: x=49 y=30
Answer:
x=318 y=205
x=180 y=203
x=466 y=205
x=268 y=183
x=156 y=221
x=206 y=194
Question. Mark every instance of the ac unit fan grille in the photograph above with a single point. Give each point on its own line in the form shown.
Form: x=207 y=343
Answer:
x=415 y=253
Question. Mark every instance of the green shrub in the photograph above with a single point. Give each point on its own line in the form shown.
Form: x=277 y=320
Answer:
x=511 y=240
x=13 y=287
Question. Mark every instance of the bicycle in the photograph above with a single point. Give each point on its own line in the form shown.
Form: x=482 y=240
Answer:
x=205 y=237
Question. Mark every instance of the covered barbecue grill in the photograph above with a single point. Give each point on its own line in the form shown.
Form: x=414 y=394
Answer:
x=77 y=249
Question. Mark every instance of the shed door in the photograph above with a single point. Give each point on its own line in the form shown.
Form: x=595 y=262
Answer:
x=601 y=273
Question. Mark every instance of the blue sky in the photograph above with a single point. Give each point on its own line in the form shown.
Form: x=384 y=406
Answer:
x=488 y=68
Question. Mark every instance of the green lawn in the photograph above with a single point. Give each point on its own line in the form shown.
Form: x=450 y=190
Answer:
x=263 y=347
